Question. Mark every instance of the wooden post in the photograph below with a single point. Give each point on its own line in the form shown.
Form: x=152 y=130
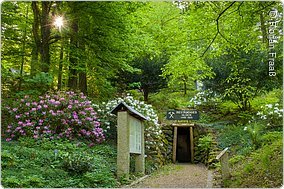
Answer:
x=123 y=155
x=224 y=160
x=191 y=144
x=175 y=145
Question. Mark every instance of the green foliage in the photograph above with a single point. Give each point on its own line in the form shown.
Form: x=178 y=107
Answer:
x=148 y=78
x=255 y=130
x=38 y=84
x=239 y=84
x=235 y=137
x=204 y=147
x=99 y=179
x=263 y=168
x=57 y=164
x=167 y=99
x=77 y=163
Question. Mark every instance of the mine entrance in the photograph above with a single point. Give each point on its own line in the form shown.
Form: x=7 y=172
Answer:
x=183 y=144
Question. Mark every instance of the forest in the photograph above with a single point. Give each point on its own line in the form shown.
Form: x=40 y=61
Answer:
x=66 y=64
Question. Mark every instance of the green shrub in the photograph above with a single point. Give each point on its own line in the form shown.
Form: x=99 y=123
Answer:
x=8 y=159
x=204 y=147
x=254 y=130
x=30 y=163
x=262 y=169
x=77 y=163
x=99 y=179
x=12 y=182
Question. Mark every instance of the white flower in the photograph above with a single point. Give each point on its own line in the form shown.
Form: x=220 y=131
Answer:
x=259 y=113
x=263 y=117
x=269 y=105
x=245 y=128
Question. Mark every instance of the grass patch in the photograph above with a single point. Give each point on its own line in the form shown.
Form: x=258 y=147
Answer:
x=57 y=164
x=262 y=169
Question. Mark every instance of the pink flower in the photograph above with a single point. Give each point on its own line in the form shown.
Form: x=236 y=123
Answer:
x=69 y=107
x=41 y=101
x=34 y=103
x=8 y=139
x=18 y=128
x=10 y=126
x=28 y=104
x=8 y=131
x=22 y=100
x=35 y=136
x=15 y=109
x=33 y=109
x=45 y=106
x=39 y=107
x=82 y=112
x=26 y=96
x=37 y=128
x=18 y=116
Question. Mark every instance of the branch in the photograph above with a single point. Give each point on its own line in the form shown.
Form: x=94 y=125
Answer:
x=218 y=31
x=273 y=3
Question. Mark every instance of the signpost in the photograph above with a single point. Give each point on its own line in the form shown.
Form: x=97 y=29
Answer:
x=182 y=115
x=130 y=139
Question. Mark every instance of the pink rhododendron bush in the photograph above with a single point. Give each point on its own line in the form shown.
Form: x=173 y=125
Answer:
x=58 y=115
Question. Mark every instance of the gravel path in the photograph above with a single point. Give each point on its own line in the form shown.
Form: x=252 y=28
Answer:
x=179 y=176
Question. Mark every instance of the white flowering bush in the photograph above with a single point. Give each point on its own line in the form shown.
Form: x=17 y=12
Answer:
x=271 y=114
x=205 y=98
x=153 y=130
x=154 y=137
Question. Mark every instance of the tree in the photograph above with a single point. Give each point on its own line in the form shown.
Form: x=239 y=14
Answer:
x=147 y=76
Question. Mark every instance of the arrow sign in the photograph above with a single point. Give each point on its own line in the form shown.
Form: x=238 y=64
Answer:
x=182 y=115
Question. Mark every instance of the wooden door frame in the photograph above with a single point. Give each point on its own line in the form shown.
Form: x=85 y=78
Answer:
x=191 y=138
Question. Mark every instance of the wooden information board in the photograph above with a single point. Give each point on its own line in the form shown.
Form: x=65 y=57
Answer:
x=135 y=135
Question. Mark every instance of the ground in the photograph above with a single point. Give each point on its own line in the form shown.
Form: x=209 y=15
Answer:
x=178 y=176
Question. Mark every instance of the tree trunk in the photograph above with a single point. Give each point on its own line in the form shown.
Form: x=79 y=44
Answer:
x=59 y=84
x=72 y=81
x=37 y=42
x=263 y=29
x=45 y=36
x=23 y=51
x=145 y=93
x=184 y=87
x=83 y=81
